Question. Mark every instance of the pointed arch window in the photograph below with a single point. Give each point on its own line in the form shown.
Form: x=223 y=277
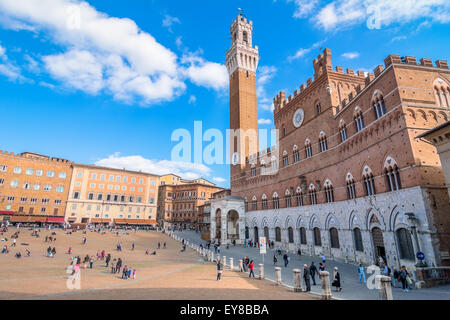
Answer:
x=308 y=148
x=442 y=93
x=317 y=239
x=290 y=235
x=264 y=202
x=378 y=105
x=254 y=204
x=392 y=175
x=405 y=245
x=296 y=155
x=323 y=142
x=285 y=159
x=302 y=232
x=276 y=201
x=351 y=192
x=312 y=195
x=288 y=199
x=334 y=238
x=359 y=119
x=357 y=237
x=329 y=192
x=342 y=131
x=299 y=196
x=369 y=184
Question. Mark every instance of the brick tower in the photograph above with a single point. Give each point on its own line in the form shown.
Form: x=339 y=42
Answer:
x=242 y=61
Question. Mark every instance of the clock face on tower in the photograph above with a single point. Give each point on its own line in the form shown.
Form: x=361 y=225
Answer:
x=299 y=116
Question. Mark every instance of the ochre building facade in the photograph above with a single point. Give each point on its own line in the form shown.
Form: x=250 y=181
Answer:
x=33 y=187
x=178 y=203
x=100 y=195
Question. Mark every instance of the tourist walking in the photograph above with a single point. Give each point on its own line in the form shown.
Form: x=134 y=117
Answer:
x=108 y=259
x=119 y=265
x=403 y=278
x=312 y=272
x=219 y=268
x=250 y=267
x=275 y=260
x=362 y=275
x=306 y=275
x=286 y=259
x=336 y=280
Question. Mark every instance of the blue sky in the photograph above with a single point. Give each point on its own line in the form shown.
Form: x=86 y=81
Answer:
x=107 y=82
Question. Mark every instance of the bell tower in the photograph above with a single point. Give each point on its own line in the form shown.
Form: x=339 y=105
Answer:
x=242 y=61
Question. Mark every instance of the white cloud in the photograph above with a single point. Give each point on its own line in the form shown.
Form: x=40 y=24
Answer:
x=304 y=7
x=7 y=69
x=381 y=13
x=265 y=74
x=264 y=121
x=219 y=179
x=186 y=170
x=351 y=55
x=398 y=38
x=304 y=51
x=169 y=21
x=78 y=69
x=205 y=73
x=113 y=55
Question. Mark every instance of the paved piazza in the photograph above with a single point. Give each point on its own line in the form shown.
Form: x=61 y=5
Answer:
x=170 y=274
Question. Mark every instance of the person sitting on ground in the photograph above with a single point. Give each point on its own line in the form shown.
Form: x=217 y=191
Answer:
x=18 y=255
x=154 y=253
x=28 y=252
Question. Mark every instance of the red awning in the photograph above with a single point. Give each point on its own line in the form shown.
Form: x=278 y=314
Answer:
x=55 y=219
x=10 y=213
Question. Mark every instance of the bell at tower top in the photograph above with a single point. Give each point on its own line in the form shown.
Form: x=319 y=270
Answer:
x=242 y=54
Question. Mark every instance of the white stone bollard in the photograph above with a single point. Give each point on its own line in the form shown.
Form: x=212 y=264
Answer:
x=261 y=271
x=278 y=275
x=325 y=282
x=224 y=261
x=241 y=265
x=231 y=264
x=385 y=290
x=297 y=280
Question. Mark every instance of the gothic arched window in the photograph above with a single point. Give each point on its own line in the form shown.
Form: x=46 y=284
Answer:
x=277 y=234
x=290 y=235
x=302 y=235
x=358 y=240
x=334 y=238
x=405 y=244
x=317 y=239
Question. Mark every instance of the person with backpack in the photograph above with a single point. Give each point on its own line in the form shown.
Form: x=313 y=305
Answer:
x=275 y=260
x=250 y=267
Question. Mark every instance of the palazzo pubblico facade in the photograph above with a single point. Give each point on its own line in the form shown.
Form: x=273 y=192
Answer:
x=349 y=177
